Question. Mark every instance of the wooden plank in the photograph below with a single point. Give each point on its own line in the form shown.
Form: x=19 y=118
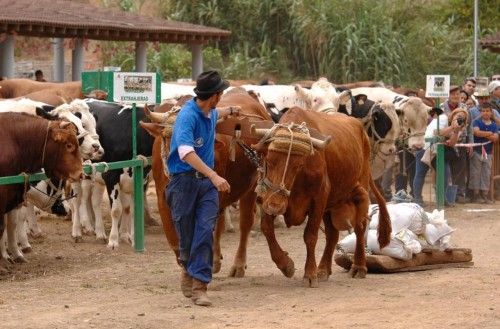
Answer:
x=428 y=259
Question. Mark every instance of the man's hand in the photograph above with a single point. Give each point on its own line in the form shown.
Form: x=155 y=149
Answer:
x=220 y=183
x=234 y=110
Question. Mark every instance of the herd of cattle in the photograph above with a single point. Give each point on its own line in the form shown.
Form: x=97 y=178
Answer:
x=289 y=151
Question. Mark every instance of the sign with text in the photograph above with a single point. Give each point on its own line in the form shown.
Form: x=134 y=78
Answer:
x=136 y=87
x=437 y=86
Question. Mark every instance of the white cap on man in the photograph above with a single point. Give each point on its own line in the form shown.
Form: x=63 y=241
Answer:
x=493 y=85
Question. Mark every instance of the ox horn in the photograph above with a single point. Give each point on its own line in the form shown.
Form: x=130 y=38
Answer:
x=64 y=124
x=153 y=116
x=320 y=144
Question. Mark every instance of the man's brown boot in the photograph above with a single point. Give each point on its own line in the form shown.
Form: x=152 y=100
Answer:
x=199 y=296
x=186 y=284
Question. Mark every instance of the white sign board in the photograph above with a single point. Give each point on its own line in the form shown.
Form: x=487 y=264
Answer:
x=134 y=87
x=437 y=86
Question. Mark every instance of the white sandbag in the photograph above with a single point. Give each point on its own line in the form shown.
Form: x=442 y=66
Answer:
x=402 y=245
x=347 y=244
x=437 y=232
x=403 y=215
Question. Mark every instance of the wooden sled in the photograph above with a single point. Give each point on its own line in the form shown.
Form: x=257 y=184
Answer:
x=428 y=259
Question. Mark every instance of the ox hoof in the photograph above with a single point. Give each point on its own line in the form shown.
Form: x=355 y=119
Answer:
x=358 y=271
x=310 y=282
x=27 y=250
x=289 y=270
x=20 y=260
x=126 y=238
x=216 y=266
x=113 y=245
x=323 y=275
x=37 y=235
x=237 y=271
x=78 y=239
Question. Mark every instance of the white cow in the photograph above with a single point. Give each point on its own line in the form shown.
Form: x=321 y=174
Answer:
x=282 y=96
x=322 y=97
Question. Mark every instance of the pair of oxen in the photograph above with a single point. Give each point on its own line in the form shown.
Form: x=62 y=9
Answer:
x=309 y=165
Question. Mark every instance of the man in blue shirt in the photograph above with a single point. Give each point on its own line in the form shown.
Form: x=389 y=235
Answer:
x=192 y=193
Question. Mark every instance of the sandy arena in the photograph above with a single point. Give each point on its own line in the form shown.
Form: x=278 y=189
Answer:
x=85 y=285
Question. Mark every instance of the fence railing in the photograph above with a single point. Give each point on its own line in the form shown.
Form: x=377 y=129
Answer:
x=138 y=172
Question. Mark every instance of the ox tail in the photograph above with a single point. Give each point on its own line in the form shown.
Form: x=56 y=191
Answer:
x=384 y=221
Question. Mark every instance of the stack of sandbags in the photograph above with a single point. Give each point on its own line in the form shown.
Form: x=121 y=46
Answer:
x=412 y=229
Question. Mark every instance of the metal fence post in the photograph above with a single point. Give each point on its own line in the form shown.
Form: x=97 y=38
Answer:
x=138 y=190
x=440 y=176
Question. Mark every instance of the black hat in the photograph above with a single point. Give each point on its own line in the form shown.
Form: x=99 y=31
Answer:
x=209 y=83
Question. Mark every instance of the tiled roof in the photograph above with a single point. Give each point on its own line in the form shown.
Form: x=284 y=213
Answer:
x=491 y=42
x=68 y=19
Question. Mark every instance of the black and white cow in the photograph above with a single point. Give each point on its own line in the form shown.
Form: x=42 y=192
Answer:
x=114 y=127
x=381 y=124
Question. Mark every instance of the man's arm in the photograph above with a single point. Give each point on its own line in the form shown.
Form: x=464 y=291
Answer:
x=228 y=110
x=194 y=161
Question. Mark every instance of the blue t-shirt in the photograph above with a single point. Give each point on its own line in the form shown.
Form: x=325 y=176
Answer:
x=475 y=113
x=192 y=128
x=484 y=127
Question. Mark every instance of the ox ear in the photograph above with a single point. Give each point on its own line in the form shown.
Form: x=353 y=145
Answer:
x=43 y=112
x=360 y=99
x=435 y=111
x=152 y=128
x=344 y=97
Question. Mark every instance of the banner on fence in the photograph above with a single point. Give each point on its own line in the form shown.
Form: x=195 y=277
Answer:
x=437 y=86
x=136 y=87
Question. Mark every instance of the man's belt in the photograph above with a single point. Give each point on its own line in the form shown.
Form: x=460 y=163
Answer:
x=192 y=173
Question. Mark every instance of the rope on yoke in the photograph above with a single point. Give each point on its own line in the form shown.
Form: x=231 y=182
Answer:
x=232 y=145
x=26 y=184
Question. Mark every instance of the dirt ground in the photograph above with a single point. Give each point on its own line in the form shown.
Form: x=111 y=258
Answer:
x=85 y=285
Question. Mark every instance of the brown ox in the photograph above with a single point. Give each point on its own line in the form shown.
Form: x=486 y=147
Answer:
x=240 y=173
x=29 y=143
x=53 y=93
x=330 y=183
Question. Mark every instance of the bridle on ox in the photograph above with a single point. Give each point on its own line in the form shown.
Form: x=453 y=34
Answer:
x=375 y=139
x=265 y=183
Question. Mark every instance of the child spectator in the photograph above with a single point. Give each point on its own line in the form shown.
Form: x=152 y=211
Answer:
x=485 y=131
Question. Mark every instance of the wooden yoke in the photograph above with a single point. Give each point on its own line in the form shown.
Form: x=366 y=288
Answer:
x=231 y=125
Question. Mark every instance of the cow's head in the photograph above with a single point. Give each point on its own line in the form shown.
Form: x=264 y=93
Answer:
x=88 y=144
x=322 y=96
x=384 y=128
x=413 y=115
x=286 y=148
x=61 y=158
x=82 y=111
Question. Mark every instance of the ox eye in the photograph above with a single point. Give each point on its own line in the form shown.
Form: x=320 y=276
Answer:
x=70 y=147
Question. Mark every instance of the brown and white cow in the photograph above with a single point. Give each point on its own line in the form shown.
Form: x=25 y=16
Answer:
x=240 y=173
x=304 y=177
x=29 y=144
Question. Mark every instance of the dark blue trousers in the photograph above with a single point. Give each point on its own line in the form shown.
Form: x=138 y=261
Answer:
x=194 y=204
